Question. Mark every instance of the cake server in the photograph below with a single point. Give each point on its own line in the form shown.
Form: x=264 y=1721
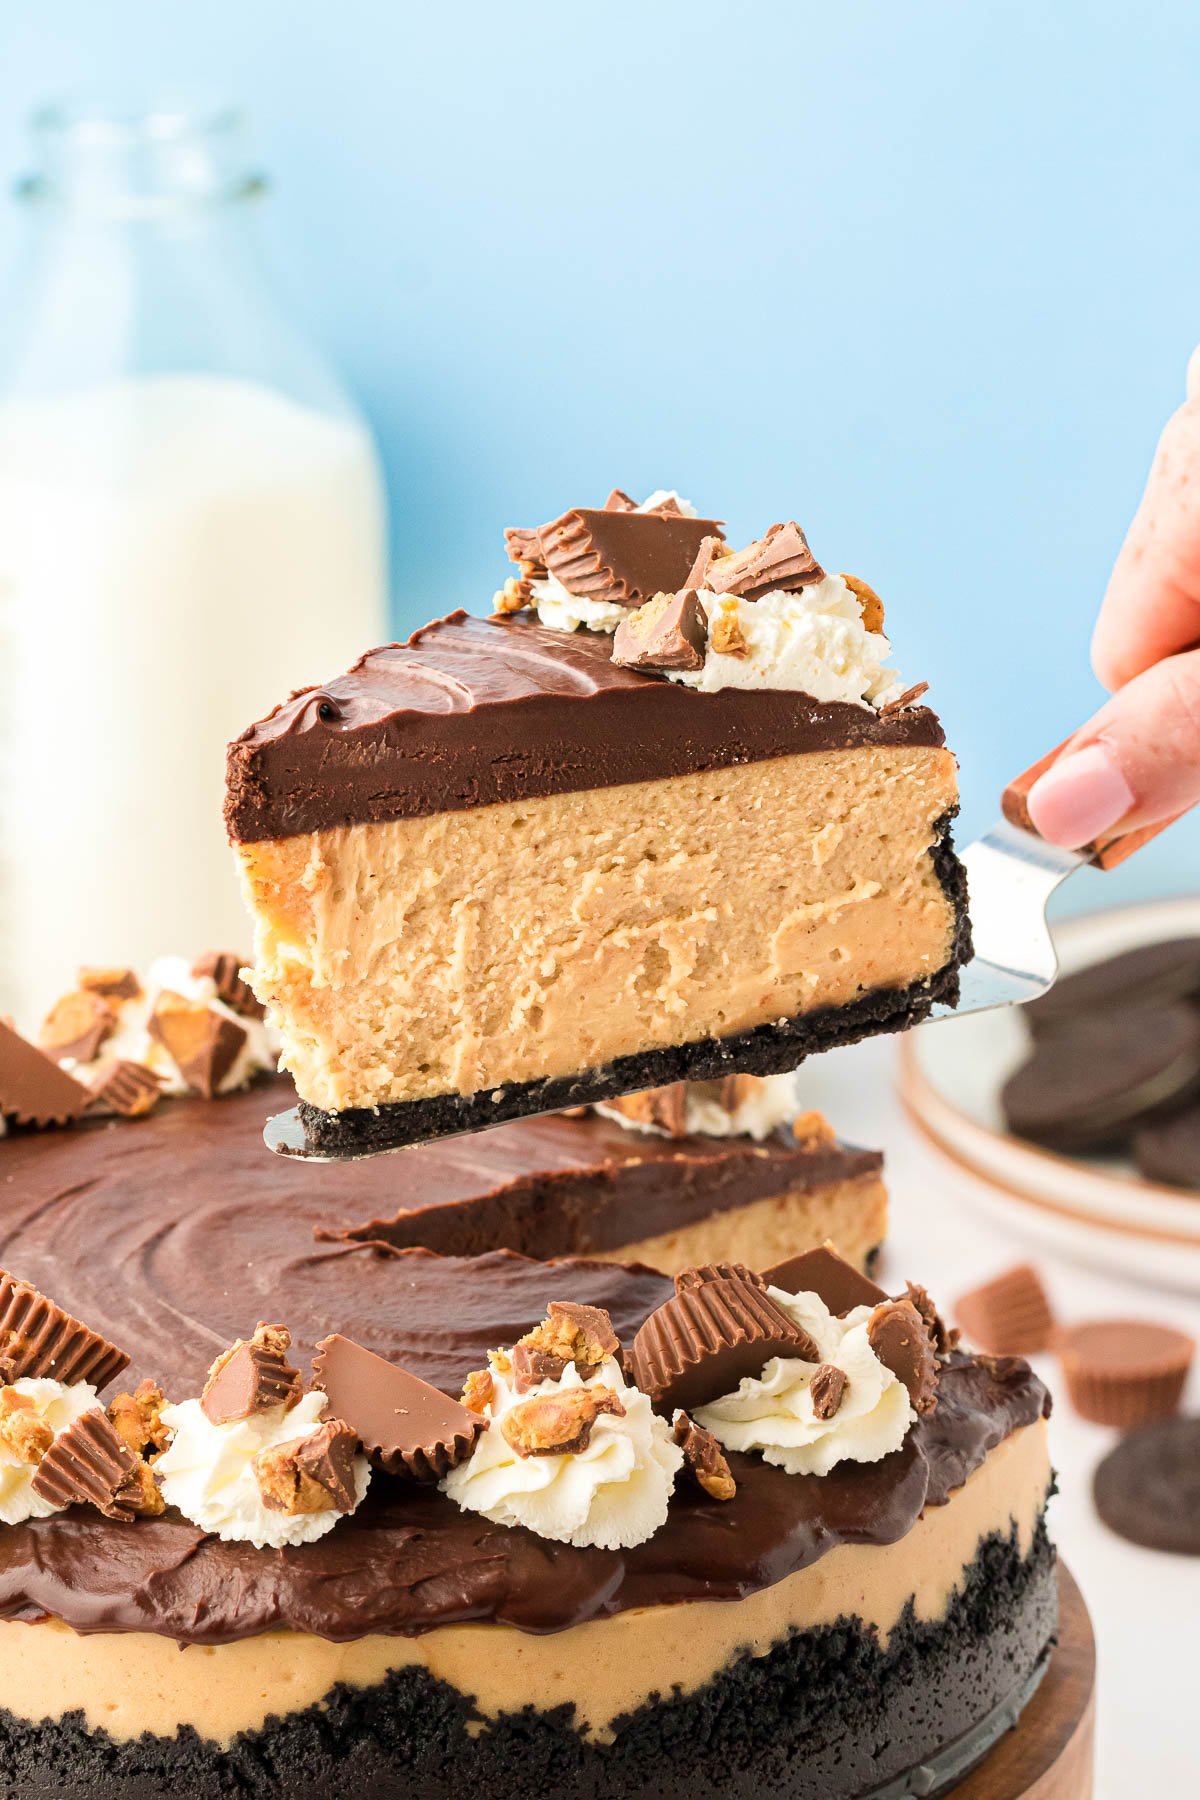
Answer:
x=1011 y=874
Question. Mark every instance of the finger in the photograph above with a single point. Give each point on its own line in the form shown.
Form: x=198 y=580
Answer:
x=1152 y=606
x=1136 y=763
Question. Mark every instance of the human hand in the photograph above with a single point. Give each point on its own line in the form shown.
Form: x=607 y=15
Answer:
x=1137 y=762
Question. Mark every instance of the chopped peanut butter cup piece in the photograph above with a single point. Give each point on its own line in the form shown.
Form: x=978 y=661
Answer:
x=872 y=605
x=33 y=1089
x=479 y=1390
x=24 y=1434
x=717 y=1329
x=619 y=501
x=613 y=553
x=514 y=596
x=406 y=1427
x=812 y=1129
x=252 y=1376
x=821 y=1271
x=558 y=1424
x=826 y=1390
x=224 y=970
x=202 y=1044
x=900 y=1339
x=77 y=1025
x=943 y=1337
x=88 y=1464
x=137 y=1419
x=110 y=984
x=311 y=1474
x=127 y=1088
x=582 y=1335
x=780 y=559
x=37 y=1338
x=726 y=637
x=668 y=632
x=1009 y=1314
x=908 y=698
x=704 y=1459
x=662 y=1108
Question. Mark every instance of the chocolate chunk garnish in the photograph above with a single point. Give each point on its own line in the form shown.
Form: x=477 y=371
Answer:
x=943 y=1337
x=897 y=1334
x=406 y=1426
x=310 y=1474
x=663 y=1108
x=525 y=547
x=110 y=984
x=826 y=1389
x=37 y=1338
x=623 y=558
x=582 y=1335
x=780 y=559
x=88 y=1464
x=704 y=1459
x=252 y=1376
x=558 y=1424
x=701 y=1343
x=128 y=1088
x=830 y=1277
x=907 y=698
x=33 y=1089
x=619 y=501
x=224 y=970
x=203 y=1044
x=668 y=632
x=76 y=1026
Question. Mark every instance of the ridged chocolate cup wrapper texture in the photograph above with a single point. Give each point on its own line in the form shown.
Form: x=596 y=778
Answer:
x=1124 y=1372
x=37 y=1338
x=1009 y=1315
x=622 y=558
x=405 y=1426
x=88 y=1464
x=707 y=1338
x=33 y=1089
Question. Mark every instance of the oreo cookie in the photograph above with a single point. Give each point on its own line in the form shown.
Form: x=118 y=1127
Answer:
x=1169 y=1149
x=1151 y=975
x=1148 y=1488
x=1087 y=1087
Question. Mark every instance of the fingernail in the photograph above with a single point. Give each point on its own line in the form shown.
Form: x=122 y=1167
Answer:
x=1082 y=795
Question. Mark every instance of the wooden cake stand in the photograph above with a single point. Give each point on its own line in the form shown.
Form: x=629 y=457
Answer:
x=1049 y=1754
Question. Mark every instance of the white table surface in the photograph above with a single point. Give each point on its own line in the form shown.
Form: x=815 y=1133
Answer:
x=1145 y=1605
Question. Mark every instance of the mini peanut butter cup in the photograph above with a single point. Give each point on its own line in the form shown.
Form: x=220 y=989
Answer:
x=37 y=1338
x=89 y=1464
x=830 y=1277
x=709 y=1336
x=1009 y=1315
x=1124 y=1372
x=33 y=1089
x=405 y=1426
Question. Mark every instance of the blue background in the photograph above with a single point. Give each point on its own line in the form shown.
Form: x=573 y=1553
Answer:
x=925 y=278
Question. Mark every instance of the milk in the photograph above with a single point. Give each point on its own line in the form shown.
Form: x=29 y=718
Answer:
x=176 y=555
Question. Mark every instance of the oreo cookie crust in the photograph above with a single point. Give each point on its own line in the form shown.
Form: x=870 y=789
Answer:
x=828 y=1714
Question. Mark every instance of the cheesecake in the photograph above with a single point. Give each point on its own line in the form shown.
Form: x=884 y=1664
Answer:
x=599 y=841
x=513 y=1524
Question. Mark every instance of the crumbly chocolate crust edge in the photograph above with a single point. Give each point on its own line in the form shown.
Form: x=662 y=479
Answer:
x=826 y=1715
x=763 y=1050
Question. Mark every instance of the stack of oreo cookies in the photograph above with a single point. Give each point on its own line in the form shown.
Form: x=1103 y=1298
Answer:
x=1114 y=1063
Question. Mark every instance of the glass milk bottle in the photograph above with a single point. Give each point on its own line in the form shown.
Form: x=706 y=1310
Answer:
x=191 y=525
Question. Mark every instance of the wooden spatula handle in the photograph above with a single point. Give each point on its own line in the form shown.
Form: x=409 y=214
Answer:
x=1106 y=851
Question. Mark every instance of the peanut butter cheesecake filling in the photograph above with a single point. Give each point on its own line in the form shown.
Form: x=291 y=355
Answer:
x=132 y=1682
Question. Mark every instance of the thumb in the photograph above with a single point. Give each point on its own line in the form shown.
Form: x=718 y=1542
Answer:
x=1136 y=763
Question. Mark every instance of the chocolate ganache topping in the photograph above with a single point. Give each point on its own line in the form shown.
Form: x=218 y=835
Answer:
x=473 y=712
x=121 y=1222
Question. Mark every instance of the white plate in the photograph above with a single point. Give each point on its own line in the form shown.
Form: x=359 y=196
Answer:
x=1097 y=1209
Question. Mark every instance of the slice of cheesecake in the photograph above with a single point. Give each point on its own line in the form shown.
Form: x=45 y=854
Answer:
x=506 y=867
